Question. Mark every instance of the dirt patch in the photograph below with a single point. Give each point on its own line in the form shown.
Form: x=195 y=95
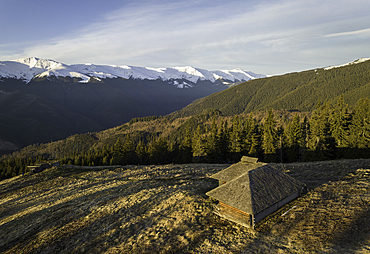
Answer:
x=164 y=209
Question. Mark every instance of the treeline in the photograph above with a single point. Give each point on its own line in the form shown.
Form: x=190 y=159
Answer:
x=332 y=131
x=11 y=167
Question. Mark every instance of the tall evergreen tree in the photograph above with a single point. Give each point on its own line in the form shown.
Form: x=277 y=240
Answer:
x=305 y=127
x=223 y=142
x=269 y=138
x=320 y=142
x=294 y=139
x=141 y=153
x=212 y=145
x=185 y=148
x=281 y=143
x=360 y=125
x=339 y=124
x=255 y=141
x=117 y=153
x=249 y=127
x=198 y=145
x=236 y=138
x=128 y=151
x=158 y=151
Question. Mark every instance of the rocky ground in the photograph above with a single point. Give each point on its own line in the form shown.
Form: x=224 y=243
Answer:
x=164 y=209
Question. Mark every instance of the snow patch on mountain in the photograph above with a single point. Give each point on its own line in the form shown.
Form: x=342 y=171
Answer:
x=361 y=60
x=32 y=67
x=180 y=84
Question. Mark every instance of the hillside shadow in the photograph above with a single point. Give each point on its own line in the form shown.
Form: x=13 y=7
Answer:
x=356 y=234
x=57 y=216
x=316 y=173
x=94 y=234
x=146 y=224
x=12 y=206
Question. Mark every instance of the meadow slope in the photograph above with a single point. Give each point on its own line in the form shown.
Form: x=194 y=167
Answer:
x=164 y=209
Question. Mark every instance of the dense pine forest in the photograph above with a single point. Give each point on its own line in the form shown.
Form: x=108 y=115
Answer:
x=331 y=131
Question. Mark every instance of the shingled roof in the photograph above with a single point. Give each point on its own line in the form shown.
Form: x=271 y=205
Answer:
x=236 y=170
x=253 y=187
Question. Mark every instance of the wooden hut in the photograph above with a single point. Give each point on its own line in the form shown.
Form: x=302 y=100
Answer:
x=250 y=190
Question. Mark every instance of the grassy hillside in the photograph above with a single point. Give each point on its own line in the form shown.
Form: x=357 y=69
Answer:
x=300 y=91
x=164 y=209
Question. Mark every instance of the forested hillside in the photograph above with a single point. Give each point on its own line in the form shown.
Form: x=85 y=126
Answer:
x=46 y=110
x=331 y=131
x=300 y=91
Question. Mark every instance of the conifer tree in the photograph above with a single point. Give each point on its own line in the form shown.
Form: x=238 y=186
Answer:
x=280 y=144
x=269 y=140
x=198 y=146
x=255 y=141
x=223 y=141
x=185 y=148
x=339 y=123
x=247 y=134
x=212 y=146
x=305 y=128
x=128 y=151
x=117 y=153
x=320 y=141
x=158 y=151
x=236 y=138
x=360 y=125
x=141 y=153
x=294 y=139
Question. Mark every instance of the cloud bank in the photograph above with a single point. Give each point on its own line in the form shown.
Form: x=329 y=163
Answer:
x=269 y=37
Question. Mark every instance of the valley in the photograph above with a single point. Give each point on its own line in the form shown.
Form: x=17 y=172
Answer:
x=42 y=100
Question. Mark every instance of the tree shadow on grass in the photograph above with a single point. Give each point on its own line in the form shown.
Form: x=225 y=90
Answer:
x=356 y=234
x=62 y=227
x=53 y=217
x=170 y=239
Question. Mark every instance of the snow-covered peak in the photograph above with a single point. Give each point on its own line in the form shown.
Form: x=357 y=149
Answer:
x=28 y=68
x=34 y=62
x=361 y=60
x=189 y=70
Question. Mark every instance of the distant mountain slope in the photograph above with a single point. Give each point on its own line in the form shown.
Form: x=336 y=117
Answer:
x=32 y=67
x=43 y=100
x=294 y=91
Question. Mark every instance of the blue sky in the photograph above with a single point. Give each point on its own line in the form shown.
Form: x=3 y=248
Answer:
x=269 y=37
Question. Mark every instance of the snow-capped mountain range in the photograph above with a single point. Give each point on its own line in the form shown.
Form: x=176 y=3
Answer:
x=32 y=67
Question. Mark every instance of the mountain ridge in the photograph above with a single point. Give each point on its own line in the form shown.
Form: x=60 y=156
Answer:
x=32 y=67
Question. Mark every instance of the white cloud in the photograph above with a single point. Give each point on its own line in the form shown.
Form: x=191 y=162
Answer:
x=365 y=32
x=263 y=36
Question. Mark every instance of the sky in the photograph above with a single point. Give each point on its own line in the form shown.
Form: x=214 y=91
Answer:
x=264 y=36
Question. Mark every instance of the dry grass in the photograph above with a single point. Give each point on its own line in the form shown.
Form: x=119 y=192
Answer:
x=164 y=209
